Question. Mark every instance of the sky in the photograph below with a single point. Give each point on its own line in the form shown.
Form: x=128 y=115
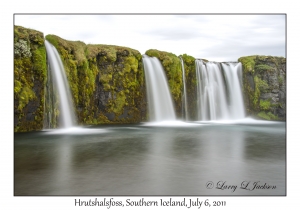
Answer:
x=213 y=37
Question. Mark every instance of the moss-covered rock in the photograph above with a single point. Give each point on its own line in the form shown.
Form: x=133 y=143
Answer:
x=30 y=74
x=108 y=86
x=191 y=85
x=264 y=86
x=106 y=81
x=172 y=67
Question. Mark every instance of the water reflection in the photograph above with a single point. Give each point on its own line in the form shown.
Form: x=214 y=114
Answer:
x=151 y=160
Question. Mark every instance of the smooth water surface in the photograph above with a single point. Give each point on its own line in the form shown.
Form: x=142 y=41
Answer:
x=187 y=159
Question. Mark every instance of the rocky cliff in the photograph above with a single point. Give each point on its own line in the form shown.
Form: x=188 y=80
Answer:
x=107 y=82
x=264 y=86
x=30 y=74
x=108 y=85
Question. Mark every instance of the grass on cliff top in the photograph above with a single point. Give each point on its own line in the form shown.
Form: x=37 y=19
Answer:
x=188 y=60
x=161 y=55
x=256 y=62
x=77 y=48
x=84 y=51
x=111 y=51
x=34 y=36
x=248 y=62
x=170 y=61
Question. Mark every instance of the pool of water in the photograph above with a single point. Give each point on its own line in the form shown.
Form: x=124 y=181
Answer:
x=204 y=158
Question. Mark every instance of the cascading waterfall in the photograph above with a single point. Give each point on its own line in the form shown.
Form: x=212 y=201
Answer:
x=67 y=116
x=158 y=93
x=218 y=90
x=232 y=73
x=211 y=92
x=185 y=105
x=214 y=102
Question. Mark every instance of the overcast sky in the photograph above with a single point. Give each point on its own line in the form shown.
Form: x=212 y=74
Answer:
x=213 y=37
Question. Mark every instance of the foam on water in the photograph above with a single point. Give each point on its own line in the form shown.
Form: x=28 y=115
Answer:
x=77 y=131
x=247 y=120
x=175 y=123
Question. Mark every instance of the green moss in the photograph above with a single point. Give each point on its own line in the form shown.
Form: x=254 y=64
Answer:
x=264 y=105
x=267 y=116
x=259 y=63
x=95 y=70
x=263 y=67
x=40 y=63
x=17 y=87
x=105 y=78
x=118 y=103
x=248 y=63
x=30 y=73
x=54 y=40
x=256 y=96
x=188 y=60
x=262 y=85
x=191 y=85
x=131 y=64
x=106 y=87
x=280 y=80
x=263 y=115
x=257 y=67
x=25 y=96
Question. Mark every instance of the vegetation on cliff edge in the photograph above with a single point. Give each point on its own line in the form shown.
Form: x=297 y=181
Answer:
x=30 y=74
x=263 y=76
x=106 y=81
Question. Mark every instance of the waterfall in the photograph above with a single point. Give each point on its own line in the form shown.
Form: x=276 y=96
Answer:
x=160 y=103
x=67 y=116
x=185 y=105
x=219 y=95
x=232 y=72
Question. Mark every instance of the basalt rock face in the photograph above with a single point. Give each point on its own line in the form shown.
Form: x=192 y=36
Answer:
x=30 y=74
x=107 y=82
x=264 y=86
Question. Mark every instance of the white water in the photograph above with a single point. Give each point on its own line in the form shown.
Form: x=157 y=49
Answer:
x=214 y=102
x=236 y=104
x=67 y=117
x=160 y=103
x=185 y=105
